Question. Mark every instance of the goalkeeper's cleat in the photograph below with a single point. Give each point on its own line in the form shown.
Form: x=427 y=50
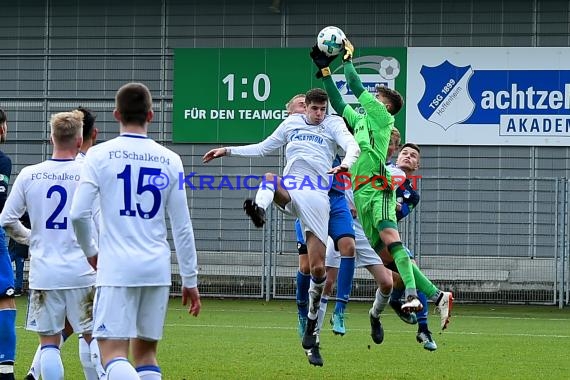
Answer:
x=337 y=323
x=301 y=326
x=376 y=330
x=29 y=376
x=412 y=304
x=314 y=356
x=409 y=318
x=443 y=307
x=256 y=213
x=424 y=337
x=311 y=334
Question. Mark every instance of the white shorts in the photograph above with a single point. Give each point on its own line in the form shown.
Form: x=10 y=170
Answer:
x=130 y=312
x=48 y=309
x=312 y=207
x=365 y=255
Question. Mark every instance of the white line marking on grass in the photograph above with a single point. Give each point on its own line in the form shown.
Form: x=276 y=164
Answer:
x=357 y=329
x=509 y=317
x=481 y=316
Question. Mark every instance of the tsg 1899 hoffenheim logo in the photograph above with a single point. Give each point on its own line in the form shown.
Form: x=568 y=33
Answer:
x=446 y=100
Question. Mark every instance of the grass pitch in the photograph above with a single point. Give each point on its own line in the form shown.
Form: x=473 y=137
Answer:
x=253 y=339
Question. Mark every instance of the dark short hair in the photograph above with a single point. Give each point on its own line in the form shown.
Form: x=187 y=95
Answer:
x=393 y=97
x=2 y=115
x=133 y=101
x=88 y=121
x=316 y=95
x=412 y=146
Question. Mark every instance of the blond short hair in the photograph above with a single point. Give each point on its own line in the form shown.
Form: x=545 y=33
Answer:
x=290 y=102
x=395 y=135
x=66 y=126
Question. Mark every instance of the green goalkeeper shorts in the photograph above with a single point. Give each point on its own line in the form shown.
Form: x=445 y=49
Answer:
x=376 y=211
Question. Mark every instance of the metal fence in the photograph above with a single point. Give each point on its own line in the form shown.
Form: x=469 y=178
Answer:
x=494 y=240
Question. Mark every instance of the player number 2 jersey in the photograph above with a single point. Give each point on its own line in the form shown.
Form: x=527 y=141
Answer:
x=46 y=191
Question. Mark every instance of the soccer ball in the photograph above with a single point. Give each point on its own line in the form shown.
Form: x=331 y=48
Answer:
x=329 y=40
x=389 y=68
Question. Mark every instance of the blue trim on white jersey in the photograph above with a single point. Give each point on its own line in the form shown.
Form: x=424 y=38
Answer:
x=134 y=135
x=61 y=159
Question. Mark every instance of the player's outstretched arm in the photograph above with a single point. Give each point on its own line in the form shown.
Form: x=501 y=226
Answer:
x=275 y=141
x=322 y=61
x=352 y=77
x=214 y=153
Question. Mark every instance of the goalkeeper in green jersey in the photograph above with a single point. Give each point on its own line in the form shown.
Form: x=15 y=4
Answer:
x=375 y=202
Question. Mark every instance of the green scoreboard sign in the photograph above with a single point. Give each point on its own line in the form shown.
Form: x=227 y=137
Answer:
x=239 y=95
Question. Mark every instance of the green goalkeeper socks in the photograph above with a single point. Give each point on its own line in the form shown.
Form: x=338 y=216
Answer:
x=403 y=263
x=423 y=283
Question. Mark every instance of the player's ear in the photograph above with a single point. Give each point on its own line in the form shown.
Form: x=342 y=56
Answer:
x=149 y=116
x=3 y=131
x=117 y=115
x=94 y=133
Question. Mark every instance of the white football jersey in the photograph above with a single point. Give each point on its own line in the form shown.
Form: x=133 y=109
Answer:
x=398 y=176
x=309 y=146
x=46 y=191
x=138 y=183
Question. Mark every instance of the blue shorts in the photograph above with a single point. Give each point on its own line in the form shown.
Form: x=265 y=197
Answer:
x=301 y=246
x=6 y=272
x=341 y=223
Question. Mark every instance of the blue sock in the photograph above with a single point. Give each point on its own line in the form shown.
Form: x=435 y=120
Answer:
x=422 y=315
x=396 y=295
x=344 y=283
x=7 y=335
x=302 y=293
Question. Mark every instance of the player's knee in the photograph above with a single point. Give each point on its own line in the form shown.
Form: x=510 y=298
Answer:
x=347 y=246
x=304 y=268
x=389 y=236
x=318 y=271
x=7 y=301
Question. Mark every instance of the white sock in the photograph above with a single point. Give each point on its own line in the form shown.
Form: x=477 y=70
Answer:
x=265 y=194
x=379 y=303
x=120 y=369
x=96 y=358
x=322 y=312
x=149 y=372
x=36 y=366
x=315 y=291
x=50 y=361
x=85 y=359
